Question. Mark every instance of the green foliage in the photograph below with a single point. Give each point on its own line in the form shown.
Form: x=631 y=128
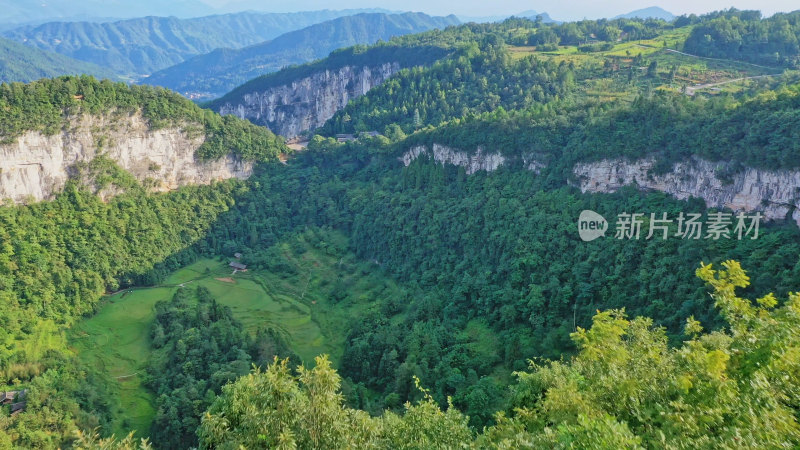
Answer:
x=202 y=348
x=92 y=441
x=751 y=131
x=66 y=397
x=59 y=257
x=276 y=409
x=473 y=81
x=358 y=55
x=500 y=247
x=731 y=388
x=745 y=35
x=625 y=388
x=50 y=105
x=24 y=64
x=491 y=273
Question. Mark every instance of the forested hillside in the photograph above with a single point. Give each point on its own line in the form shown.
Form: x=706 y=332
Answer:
x=139 y=47
x=24 y=64
x=424 y=286
x=77 y=236
x=745 y=35
x=47 y=106
x=221 y=70
x=625 y=389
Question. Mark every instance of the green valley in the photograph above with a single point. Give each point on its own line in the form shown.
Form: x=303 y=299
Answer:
x=516 y=234
x=294 y=302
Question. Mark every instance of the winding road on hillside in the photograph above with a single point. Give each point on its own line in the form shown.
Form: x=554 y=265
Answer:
x=690 y=90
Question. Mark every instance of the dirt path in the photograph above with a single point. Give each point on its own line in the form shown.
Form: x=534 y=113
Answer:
x=722 y=60
x=127 y=376
x=690 y=89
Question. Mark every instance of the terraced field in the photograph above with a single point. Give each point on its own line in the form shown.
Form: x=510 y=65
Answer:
x=116 y=340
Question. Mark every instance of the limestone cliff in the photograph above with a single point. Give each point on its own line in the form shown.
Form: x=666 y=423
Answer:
x=774 y=193
x=35 y=167
x=481 y=159
x=306 y=103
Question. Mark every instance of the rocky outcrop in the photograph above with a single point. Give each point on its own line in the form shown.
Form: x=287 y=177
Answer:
x=305 y=104
x=774 y=193
x=35 y=167
x=472 y=162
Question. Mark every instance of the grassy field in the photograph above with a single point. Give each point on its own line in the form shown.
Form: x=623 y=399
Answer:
x=604 y=75
x=297 y=302
x=116 y=342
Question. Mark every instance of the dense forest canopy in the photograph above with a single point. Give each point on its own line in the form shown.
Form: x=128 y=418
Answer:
x=745 y=35
x=477 y=275
x=748 y=131
x=625 y=388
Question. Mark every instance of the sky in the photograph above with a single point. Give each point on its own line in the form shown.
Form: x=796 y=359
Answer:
x=560 y=10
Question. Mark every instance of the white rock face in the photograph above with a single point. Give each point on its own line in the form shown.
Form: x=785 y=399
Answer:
x=307 y=103
x=479 y=160
x=36 y=167
x=471 y=161
x=774 y=193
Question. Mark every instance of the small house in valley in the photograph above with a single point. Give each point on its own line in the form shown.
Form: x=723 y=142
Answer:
x=238 y=266
x=8 y=397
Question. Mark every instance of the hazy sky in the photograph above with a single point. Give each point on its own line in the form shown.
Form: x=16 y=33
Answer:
x=563 y=10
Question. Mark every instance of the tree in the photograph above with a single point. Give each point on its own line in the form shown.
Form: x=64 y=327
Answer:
x=652 y=69
x=625 y=388
x=276 y=409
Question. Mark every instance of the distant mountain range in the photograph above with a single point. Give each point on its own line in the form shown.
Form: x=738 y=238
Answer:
x=530 y=14
x=139 y=47
x=220 y=71
x=653 y=12
x=27 y=11
x=22 y=63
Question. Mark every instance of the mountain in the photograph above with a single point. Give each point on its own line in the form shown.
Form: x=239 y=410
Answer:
x=149 y=132
x=220 y=71
x=139 y=47
x=531 y=14
x=22 y=63
x=162 y=271
x=24 y=11
x=301 y=98
x=653 y=12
